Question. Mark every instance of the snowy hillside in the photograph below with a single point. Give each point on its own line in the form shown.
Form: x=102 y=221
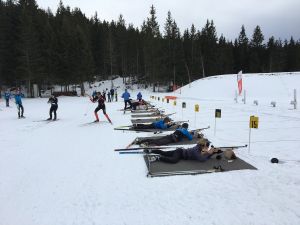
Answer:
x=66 y=172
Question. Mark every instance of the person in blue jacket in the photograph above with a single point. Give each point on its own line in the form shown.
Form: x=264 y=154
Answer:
x=126 y=97
x=201 y=153
x=7 y=97
x=160 y=124
x=19 y=104
x=179 y=135
x=139 y=96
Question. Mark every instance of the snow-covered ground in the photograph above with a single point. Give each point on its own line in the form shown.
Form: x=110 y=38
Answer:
x=65 y=173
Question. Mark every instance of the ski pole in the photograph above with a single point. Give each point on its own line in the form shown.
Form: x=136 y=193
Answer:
x=237 y=146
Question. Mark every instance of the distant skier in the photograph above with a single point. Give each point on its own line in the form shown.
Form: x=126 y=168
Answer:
x=94 y=94
x=126 y=97
x=101 y=105
x=112 y=92
x=7 y=97
x=139 y=96
x=104 y=95
x=18 y=100
x=116 y=95
x=108 y=96
x=53 y=100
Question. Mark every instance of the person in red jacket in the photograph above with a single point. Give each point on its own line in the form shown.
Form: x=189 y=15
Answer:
x=101 y=105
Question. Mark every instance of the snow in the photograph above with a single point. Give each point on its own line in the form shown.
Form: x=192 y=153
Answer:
x=64 y=173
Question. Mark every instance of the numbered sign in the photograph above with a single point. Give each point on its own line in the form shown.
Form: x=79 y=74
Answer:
x=167 y=100
x=196 y=108
x=218 y=113
x=253 y=122
x=183 y=105
x=174 y=103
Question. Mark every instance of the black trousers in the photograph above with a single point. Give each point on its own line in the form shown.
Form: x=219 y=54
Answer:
x=53 y=109
x=7 y=102
x=100 y=107
x=144 y=126
x=20 y=110
x=169 y=156
x=125 y=103
x=159 y=141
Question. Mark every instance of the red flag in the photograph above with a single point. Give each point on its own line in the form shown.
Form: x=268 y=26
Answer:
x=240 y=82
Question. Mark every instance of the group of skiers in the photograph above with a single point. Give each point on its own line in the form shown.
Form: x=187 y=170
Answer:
x=18 y=100
x=110 y=94
x=139 y=103
x=101 y=98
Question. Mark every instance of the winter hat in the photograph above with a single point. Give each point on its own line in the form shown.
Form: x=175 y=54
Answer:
x=167 y=119
x=185 y=125
x=203 y=142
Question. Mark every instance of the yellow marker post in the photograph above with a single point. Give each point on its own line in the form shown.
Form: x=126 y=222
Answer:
x=217 y=115
x=174 y=103
x=254 y=120
x=196 y=111
x=163 y=100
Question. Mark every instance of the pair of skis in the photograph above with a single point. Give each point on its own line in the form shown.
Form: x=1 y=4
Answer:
x=140 y=150
x=191 y=172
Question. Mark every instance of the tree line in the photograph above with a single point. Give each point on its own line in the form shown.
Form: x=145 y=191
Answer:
x=38 y=46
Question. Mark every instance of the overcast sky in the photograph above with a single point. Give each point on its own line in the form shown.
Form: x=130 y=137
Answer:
x=278 y=18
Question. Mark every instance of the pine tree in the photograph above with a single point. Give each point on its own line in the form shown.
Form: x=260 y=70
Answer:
x=257 y=52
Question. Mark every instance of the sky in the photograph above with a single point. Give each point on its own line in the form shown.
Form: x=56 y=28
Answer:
x=278 y=18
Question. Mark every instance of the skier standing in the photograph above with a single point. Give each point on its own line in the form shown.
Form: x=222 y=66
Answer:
x=112 y=91
x=126 y=97
x=108 y=95
x=139 y=96
x=19 y=104
x=7 y=97
x=101 y=105
x=104 y=95
x=53 y=108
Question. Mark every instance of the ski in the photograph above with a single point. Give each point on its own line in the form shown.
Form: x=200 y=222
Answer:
x=47 y=121
x=142 y=148
x=136 y=130
x=191 y=172
x=153 y=115
x=137 y=152
x=232 y=147
x=92 y=123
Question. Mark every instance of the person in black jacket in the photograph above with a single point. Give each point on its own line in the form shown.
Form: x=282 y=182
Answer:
x=101 y=105
x=53 y=101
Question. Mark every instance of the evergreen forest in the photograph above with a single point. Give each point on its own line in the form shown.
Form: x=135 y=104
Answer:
x=65 y=47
